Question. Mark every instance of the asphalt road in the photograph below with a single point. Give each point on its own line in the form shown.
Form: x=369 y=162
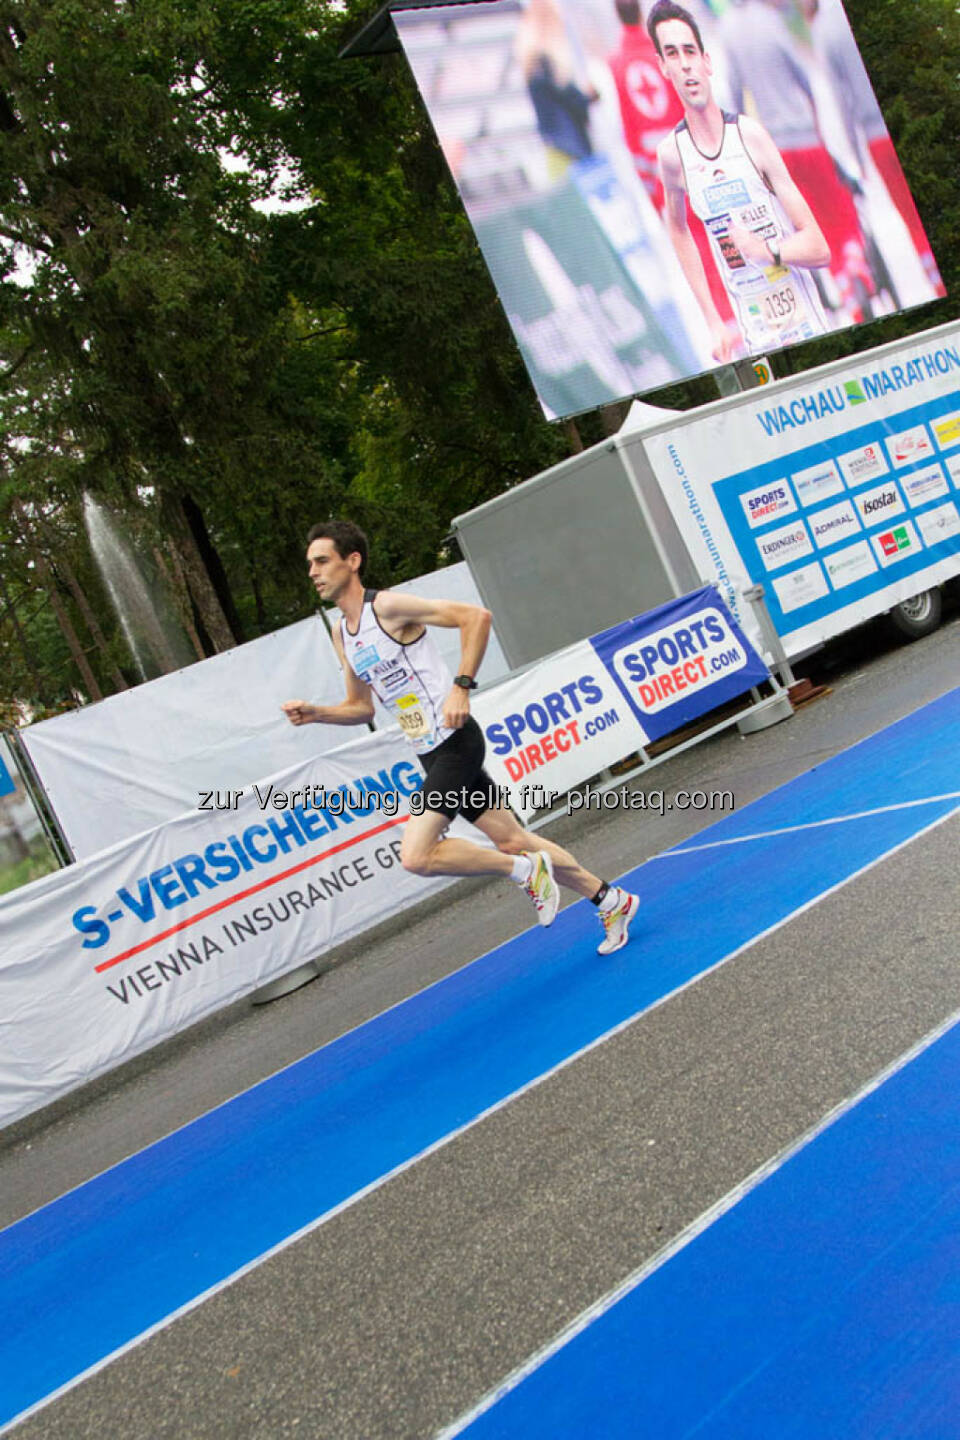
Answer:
x=400 y=1312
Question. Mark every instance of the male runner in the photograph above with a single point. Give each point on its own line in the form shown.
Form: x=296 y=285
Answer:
x=761 y=229
x=385 y=648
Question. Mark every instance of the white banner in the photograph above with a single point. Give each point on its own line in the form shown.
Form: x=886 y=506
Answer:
x=552 y=727
x=145 y=755
x=838 y=492
x=105 y=958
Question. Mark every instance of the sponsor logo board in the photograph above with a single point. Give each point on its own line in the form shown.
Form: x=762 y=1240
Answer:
x=925 y=484
x=938 y=525
x=910 y=446
x=834 y=523
x=817 y=482
x=767 y=502
x=896 y=544
x=780 y=547
x=863 y=464
x=801 y=587
x=879 y=504
x=847 y=566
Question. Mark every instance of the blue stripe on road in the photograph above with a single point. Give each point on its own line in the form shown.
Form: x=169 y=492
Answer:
x=93 y=1270
x=826 y=1303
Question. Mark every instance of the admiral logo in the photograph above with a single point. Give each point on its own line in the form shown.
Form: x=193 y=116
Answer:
x=767 y=503
x=781 y=546
x=879 y=503
x=910 y=446
x=896 y=544
x=847 y=566
x=864 y=464
x=684 y=657
x=833 y=524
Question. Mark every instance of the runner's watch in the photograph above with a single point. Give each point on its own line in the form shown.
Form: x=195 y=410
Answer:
x=466 y=682
x=774 y=253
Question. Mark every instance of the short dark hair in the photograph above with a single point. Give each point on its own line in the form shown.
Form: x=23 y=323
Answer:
x=348 y=539
x=629 y=11
x=667 y=10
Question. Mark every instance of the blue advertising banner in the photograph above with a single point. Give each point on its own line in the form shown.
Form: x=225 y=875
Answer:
x=679 y=661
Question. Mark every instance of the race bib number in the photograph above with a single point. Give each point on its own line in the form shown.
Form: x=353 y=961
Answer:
x=413 y=722
x=779 y=307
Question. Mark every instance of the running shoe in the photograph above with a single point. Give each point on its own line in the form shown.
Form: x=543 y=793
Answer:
x=541 y=888
x=616 y=923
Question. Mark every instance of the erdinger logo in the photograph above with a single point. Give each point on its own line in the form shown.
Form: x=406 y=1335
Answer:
x=678 y=660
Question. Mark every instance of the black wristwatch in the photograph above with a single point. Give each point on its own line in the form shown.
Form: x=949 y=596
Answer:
x=466 y=682
x=774 y=253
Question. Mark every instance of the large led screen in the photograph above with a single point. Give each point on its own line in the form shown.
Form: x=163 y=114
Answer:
x=652 y=208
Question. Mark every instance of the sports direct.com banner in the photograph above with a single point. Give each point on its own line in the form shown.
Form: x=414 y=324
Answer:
x=839 y=493
x=111 y=955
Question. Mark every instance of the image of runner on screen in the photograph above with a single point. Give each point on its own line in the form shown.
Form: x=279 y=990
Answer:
x=763 y=234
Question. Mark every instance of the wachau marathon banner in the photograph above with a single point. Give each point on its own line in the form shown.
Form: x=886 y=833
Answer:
x=841 y=500
x=107 y=957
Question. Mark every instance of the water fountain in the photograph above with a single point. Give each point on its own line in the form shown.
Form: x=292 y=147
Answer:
x=154 y=635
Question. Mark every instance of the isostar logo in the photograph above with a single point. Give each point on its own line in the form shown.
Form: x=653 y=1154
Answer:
x=910 y=445
x=550 y=726
x=781 y=546
x=677 y=660
x=879 y=503
x=767 y=502
x=834 y=523
x=896 y=544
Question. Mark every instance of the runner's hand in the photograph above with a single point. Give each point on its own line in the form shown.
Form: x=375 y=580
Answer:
x=299 y=712
x=456 y=708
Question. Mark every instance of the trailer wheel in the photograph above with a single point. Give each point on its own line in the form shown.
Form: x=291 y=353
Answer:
x=918 y=616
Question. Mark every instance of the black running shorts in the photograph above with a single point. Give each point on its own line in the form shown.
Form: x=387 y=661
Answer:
x=456 y=782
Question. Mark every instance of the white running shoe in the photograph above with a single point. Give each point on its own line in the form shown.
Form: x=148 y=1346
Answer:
x=541 y=888
x=616 y=923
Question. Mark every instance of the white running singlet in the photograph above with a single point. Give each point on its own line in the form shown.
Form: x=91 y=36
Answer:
x=412 y=681
x=775 y=304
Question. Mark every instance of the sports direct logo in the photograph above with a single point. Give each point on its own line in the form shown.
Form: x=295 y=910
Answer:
x=548 y=728
x=678 y=660
x=767 y=503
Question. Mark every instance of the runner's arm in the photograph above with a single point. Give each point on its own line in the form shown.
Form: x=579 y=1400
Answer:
x=473 y=622
x=685 y=248
x=356 y=709
x=807 y=246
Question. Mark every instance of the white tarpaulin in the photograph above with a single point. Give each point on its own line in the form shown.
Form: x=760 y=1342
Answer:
x=105 y=958
x=145 y=755
x=838 y=492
